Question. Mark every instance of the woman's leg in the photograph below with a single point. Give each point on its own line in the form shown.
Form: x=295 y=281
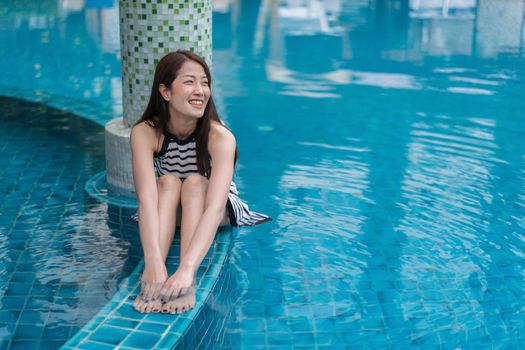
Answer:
x=169 y=193
x=168 y=203
x=193 y=197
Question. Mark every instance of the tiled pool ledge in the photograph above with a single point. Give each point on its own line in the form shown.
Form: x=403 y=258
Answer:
x=96 y=187
x=118 y=326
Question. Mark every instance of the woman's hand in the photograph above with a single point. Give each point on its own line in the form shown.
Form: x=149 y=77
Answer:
x=153 y=279
x=180 y=283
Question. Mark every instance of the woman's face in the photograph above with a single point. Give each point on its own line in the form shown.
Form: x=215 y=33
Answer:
x=189 y=92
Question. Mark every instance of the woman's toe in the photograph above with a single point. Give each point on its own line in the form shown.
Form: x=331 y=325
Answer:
x=148 y=307
x=165 y=308
x=144 y=307
x=137 y=305
x=157 y=305
x=137 y=301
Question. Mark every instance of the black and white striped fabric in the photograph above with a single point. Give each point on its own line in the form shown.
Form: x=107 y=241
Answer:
x=179 y=157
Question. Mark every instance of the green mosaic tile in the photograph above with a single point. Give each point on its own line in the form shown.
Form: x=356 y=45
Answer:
x=142 y=46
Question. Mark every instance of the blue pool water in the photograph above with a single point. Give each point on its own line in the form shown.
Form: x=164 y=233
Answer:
x=385 y=138
x=63 y=255
x=391 y=156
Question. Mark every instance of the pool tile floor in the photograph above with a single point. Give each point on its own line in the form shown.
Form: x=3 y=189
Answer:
x=118 y=326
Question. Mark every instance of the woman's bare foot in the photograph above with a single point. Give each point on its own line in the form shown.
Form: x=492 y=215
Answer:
x=181 y=304
x=144 y=305
x=179 y=284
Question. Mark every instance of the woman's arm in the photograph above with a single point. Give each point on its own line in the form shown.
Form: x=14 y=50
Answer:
x=221 y=146
x=143 y=145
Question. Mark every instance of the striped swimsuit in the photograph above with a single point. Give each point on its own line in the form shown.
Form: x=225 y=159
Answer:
x=179 y=157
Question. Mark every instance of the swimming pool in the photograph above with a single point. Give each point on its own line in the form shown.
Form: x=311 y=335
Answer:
x=384 y=138
x=63 y=254
x=391 y=157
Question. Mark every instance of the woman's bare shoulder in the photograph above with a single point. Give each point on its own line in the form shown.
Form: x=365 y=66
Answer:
x=145 y=133
x=145 y=129
x=221 y=142
x=219 y=133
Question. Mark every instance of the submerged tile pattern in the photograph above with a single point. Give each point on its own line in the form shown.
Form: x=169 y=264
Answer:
x=57 y=245
x=28 y=315
x=151 y=28
x=118 y=326
x=97 y=188
x=207 y=329
x=196 y=18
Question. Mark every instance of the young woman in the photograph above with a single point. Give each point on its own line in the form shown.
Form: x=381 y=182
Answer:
x=182 y=154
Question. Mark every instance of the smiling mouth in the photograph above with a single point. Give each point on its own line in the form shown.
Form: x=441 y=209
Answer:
x=196 y=103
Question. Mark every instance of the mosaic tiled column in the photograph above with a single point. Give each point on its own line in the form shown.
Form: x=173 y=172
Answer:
x=148 y=30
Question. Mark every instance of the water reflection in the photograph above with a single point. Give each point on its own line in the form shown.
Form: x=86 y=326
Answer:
x=63 y=255
x=79 y=35
x=391 y=148
x=363 y=34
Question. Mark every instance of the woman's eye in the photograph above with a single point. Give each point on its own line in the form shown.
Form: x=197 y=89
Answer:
x=205 y=83
x=188 y=82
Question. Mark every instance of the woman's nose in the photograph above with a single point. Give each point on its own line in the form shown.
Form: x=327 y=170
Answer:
x=199 y=89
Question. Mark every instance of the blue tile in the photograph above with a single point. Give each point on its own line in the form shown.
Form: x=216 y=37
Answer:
x=254 y=309
x=279 y=338
x=8 y=329
x=190 y=331
x=153 y=327
x=27 y=332
x=160 y=318
x=23 y=277
x=253 y=338
x=57 y=332
x=32 y=317
x=326 y=338
x=142 y=340
x=78 y=337
x=37 y=304
x=43 y=290
x=94 y=323
x=189 y=343
x=109 y=335
x=13 y=302
x=18 y=289
x=179 y=325
x=127 y=311
x=166 y=343
x=303 y=338
x=50 y=344
x=89 y=345
x=251 y=324
x=275 y=310
x=24 y=345
x=122 y=322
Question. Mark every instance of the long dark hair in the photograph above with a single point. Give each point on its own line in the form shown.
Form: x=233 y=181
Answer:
x=157 y=112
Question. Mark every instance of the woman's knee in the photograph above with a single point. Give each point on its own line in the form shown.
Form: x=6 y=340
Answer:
x=195 y=184
x=169 y=182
